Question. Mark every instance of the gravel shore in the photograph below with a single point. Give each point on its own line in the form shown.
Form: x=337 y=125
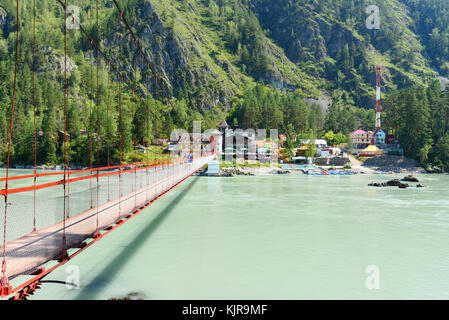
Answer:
x=393 y=163
x=241 y=171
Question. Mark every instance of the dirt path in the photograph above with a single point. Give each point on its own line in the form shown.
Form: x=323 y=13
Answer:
x=357 y=165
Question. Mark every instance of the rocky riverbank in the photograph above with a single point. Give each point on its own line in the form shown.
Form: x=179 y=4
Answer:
x=247 y=171
x=395 y=164
x=243 y=171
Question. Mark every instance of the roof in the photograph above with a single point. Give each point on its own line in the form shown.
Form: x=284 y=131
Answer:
x=240 y=133
x=192 y=136
x=160 y=141
x=371 y=148
x=317 y=141
x=212 y=132
x=223 y=124
x=380 y=129
x=360 y=131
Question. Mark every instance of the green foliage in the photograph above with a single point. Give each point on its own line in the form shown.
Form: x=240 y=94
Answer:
x=419 y=118
x=101 y=108
x=214 y=51
x=413 y=36
x=349 y=145
x=335 y=139
x=264 y=107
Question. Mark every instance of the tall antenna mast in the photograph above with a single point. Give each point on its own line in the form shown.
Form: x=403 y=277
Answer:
x=378 y=70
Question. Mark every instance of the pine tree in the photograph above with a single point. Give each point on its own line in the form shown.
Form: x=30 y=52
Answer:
x=47 y=151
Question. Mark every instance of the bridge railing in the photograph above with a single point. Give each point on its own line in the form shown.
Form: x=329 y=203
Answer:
x=42 y=223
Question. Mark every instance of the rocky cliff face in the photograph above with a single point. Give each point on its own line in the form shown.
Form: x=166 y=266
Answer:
x=313 y=45
x=52 y=64
x=305 y=35
x=315 y=35
x=207 y=50
x=4 y=20
x=191 y=58
x=177 y=59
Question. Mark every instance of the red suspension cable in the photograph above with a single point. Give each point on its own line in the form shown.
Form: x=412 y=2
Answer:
x=34 y=112
x=147 y=132
x=108 y=127
x=4 y=282
x=67 y=129
x=90 y=123
x=120 y=124
x=64 y=247
x=98 y=123
x=134 y=117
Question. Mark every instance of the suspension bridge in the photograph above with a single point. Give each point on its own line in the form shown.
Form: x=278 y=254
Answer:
x=49 y=217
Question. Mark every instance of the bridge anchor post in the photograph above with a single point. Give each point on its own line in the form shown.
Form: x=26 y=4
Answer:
x=5 y=287
x=64 y=255
x=97 y=235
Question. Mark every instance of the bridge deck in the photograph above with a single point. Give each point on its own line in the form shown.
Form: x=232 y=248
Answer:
x=26 y=254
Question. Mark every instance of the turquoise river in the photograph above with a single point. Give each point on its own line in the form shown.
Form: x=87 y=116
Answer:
x=274 y=237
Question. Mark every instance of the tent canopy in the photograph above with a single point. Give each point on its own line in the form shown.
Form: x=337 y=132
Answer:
x=371 y=148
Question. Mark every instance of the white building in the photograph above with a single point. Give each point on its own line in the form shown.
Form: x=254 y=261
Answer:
x=322 y=149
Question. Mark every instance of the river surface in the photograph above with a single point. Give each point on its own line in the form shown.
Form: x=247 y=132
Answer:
x=274 y=237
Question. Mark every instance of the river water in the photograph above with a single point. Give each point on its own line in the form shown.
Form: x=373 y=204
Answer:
x=274 y=237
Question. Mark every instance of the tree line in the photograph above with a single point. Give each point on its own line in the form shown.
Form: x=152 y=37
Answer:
x=118 y=115
x=419 y=119
x=262 y=107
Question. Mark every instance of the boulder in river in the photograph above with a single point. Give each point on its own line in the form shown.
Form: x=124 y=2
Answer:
x=375 y=184
x=420 y=186
x=396 y=183
x=281 y=172
x=410 y=179
x=391 y=183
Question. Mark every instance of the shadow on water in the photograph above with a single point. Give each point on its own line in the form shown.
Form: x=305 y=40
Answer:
x=109 y=272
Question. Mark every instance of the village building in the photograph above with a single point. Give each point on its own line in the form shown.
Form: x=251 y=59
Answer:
x=189 y=143
x=282 y=139
x=141 y=149
x=216 y=141
x=322 y=148
x=361 y=138
x=223 y=126
x=245 y=144
x=239 y=142
x=379 y=137
x=302 y=152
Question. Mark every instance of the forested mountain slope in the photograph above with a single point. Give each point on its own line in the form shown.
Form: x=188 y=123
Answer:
x=209 y=55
